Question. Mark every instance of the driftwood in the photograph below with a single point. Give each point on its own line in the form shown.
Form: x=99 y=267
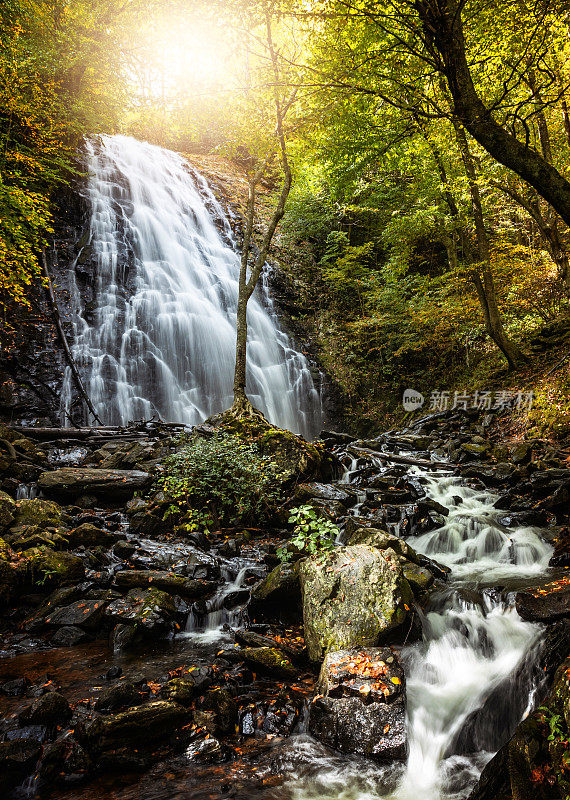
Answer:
x=64 y=343
x=397 y=459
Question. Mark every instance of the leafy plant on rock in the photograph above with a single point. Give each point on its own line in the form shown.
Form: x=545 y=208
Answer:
x=312 y=534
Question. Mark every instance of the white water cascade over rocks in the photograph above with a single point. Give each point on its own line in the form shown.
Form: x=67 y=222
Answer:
x=158 y=334
x=470 y=679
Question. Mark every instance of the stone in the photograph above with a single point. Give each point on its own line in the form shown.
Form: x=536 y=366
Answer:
x=353 y=596
x=224 y=708
x=361 y=705
x=91 y=535
x=167 y=581
x=124 y=549
x=270 y=660
x=148 y=610
x=7 y=511
x=69 y=636
x=281 y=590
x=545 y=603
x=419 y=578
x=87 y=614
x=40 y=513
x=523 y=519
x=49 y=709
x=324 y=491
x=180 y=690
x=520 y=453
x=63 y=759
x=117 y=696
x=113 y=484
x=142 y=725
x=382 y=540
x=42 y=567
x=18 y=758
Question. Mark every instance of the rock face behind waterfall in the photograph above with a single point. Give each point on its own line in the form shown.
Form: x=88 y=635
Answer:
x=352 y=597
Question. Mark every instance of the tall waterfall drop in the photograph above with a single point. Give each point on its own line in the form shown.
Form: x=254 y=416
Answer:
x=158 y=336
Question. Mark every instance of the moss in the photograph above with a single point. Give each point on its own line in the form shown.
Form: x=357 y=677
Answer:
x=7 y=510
x=42 y=567
x=41 y=513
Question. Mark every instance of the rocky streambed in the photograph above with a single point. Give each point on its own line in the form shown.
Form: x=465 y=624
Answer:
x=137 y=661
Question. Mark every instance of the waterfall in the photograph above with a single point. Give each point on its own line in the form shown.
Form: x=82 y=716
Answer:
x=154 y=296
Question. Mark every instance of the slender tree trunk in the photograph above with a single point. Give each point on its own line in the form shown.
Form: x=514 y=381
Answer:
x=241 y=405
x=482 y=275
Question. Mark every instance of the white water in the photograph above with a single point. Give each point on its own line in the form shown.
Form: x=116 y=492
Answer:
x=471 y=645
x=158 y=336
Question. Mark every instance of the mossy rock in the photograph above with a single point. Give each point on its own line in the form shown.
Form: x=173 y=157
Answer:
x=352 y=597
x=382 y=540
x=41 y=567
x=8 y=573
x=41 y=513
x=269 y=660
x=296 y=458
x=7 y=510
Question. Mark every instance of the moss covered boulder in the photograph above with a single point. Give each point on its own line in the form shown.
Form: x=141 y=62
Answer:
x=382 y=540
x=8 y=573
x=145 y=724
x=280 y=591
x=40 y=513
x=269 y=660
x=41 y=567
x=7 y=511
x=296 y=458
x=352 y=597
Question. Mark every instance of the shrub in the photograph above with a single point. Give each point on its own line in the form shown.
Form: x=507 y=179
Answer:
x=217 y=481
x=312 y=534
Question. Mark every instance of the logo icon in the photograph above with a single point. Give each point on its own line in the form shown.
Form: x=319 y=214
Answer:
x=412 y=400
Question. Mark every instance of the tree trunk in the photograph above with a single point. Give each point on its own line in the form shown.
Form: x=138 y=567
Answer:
x=444 y=39
x=482 y=276
x=241 y=405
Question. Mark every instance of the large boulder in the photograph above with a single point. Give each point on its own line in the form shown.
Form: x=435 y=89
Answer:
x=360 y=707
x=382 y=540
x=279 y=592
x=352 y=597
x=112 y=484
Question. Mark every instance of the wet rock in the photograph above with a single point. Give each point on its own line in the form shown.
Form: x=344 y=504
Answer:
x=324 y=491
x=205 y=751
x=361 y=706
x=281 y=590
x=15 y=687
x=335 y=438
x=87 y=614
x=39 y=513
x=523 y=519
x=49 y=709
x=180 y=690
x=352 y=597
x=419 y=578
x=64 y=761
x=91 y=535
x=148 y=610
x=167 y=581
x=124 y=549
x=113 y=484
x=125 y=636
x=224 y=708
x=382 y=540
x=146 y=523
x=69 y=636
x=17 y=760
x=117 y=696
x=521 y=453
x=545 y=603
x=146 y=724
x=269 y=660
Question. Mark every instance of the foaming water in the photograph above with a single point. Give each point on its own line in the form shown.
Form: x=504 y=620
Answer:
x=157 y=335
x=473 y=643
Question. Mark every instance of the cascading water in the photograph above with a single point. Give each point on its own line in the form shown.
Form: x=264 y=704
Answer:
x=473 y=643
x=158 y=335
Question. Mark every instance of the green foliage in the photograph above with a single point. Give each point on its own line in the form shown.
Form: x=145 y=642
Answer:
x=312 y=534
x=221 y=480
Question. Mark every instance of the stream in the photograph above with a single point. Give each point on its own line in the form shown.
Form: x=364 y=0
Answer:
x=469 y=680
